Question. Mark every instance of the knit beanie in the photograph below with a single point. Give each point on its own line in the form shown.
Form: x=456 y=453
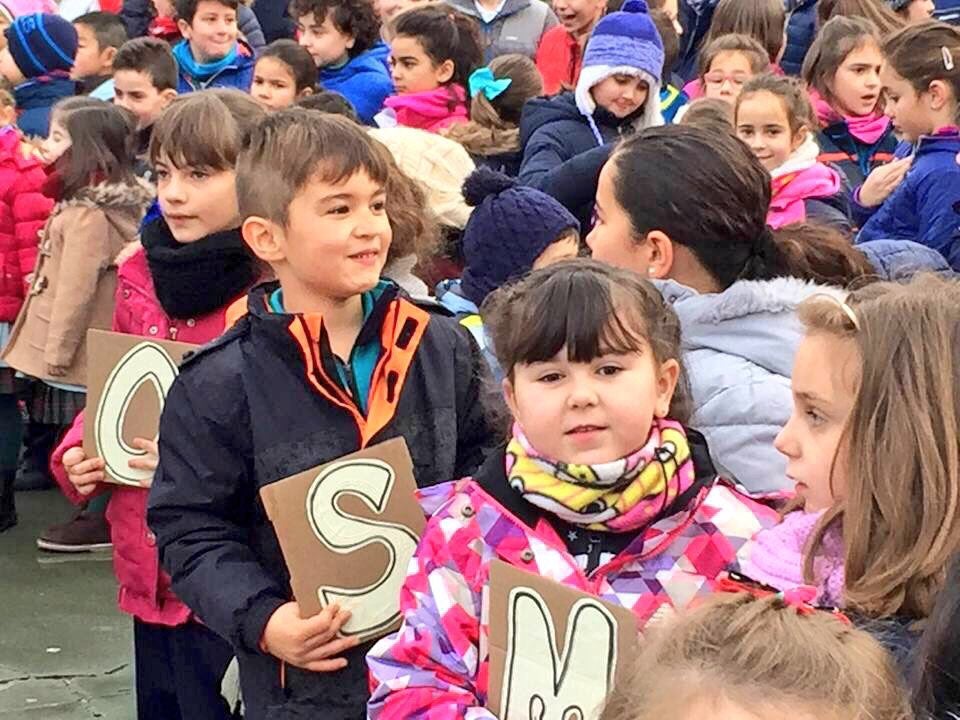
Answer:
x=510 y=227
x=41 y=43
x=624 y=43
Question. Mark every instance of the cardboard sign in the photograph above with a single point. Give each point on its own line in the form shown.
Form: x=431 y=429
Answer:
x=555 y=652
x=128 y=378
x=347 y=530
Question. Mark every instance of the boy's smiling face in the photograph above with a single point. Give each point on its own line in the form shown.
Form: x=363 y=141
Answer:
x=213 y=31
x=334 y=245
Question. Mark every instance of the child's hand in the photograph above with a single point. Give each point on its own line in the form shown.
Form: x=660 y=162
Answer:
x=883 y=181
x=309 y=643
x=56 y=370
x=148 y=461
x=84 y=473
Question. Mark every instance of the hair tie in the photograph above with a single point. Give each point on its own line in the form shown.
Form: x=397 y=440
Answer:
x=483 y=81
x=947 y=57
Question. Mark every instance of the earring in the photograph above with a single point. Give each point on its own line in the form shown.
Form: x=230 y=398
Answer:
x=651 y=271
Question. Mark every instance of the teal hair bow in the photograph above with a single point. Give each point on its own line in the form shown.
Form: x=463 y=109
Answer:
x=483 y=81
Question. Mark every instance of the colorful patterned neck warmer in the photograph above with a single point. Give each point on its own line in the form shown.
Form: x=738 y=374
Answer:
x=619 y=496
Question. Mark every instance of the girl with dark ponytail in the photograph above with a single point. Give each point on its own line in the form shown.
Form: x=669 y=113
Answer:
x=734 y=283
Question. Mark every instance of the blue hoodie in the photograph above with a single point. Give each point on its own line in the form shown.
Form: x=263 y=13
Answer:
x=922 y=206
x=364 y=80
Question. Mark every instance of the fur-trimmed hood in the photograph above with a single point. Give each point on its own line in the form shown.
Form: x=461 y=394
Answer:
x=113 y=196
x=752 y=319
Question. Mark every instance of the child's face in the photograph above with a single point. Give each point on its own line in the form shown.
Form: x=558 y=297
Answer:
x=135 y=91
x=727 y=75
x=591 y=412
x=335 y=243
x=273 y=84
x=326 y=44
x=196 y=201
x=578 y=16
x=919 y=11
x=90 y=61
x=856 y=85
x=621 y=95
x=413 y=70
x=9 y=69
x=213 y=32
x=164 y=8
x=825 y=377
x=612 y=238
x=762 y=123
x=908 y=111
x=565 y=248
x=56 y=143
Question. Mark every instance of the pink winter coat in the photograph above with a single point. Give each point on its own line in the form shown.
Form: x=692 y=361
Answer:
x=431 y=110
x=144 y=588
x=24 y=210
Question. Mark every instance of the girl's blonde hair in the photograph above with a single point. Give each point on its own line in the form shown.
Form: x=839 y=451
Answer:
x=837 y=38
x=758 y=653
x=763 y=20
x=494 y=124
x=900 y=449
x=926 y=52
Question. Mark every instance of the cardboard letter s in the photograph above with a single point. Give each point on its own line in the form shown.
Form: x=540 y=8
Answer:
x=372 y=481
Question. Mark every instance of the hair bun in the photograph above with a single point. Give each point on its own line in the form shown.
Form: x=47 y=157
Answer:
x=635 y=6
x=482 y=183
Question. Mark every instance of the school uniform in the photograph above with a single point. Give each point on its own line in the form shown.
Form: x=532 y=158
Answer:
x=269 y=400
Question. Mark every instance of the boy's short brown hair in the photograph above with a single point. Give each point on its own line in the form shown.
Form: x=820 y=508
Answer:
x=187 y=9
x=204 y=129
x=151 y=57
x=290 y=148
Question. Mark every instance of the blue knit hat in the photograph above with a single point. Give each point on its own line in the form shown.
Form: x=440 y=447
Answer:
x=509 y=229
x=624 y=43
x=42 y=43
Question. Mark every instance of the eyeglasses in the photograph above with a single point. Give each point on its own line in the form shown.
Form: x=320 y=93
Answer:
x=719 y=78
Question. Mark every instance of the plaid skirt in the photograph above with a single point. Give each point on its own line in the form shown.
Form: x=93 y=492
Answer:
x=52 y=406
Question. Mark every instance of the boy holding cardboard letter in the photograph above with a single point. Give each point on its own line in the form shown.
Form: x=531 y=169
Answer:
x=328 y=359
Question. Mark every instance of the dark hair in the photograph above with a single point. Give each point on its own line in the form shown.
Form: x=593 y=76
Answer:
x=153 y=58
x=876 y=11
x=291 y=148
x=186 y=9
x=301 y=65
x=712 y=114
x=445 y=34
x=355 y=18
x=726 y=226
x=763 y=20
x=936 y=677
x=753 y=50
x=330 y=102
x=101 y=145
x=837 y=38
x=590 y=309
x=204 y=129
x=790 y=91
x=671 y=42
x=415 y=228
x=108 y=28
x=917 y=54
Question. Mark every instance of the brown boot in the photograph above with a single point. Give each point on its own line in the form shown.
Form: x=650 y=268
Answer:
x=84 y=533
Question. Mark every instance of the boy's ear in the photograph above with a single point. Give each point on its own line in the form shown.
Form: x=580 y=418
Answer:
x=184 y=27
x=107 y=56
x=444 y=71
x=167 y=96
x=264 y=238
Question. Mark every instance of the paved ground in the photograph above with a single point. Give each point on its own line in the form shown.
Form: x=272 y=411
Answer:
x=65 y=649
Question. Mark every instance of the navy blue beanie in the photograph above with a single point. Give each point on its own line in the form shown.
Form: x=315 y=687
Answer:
x=42 y=43
x=509 y=229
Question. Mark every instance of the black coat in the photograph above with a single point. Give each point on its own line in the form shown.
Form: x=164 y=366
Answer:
x=245 y=412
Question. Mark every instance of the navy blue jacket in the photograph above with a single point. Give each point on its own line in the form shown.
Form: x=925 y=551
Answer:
x=35 y=98
x=853 y=158
x=364 y=81
x=801 y=30
x=245 y=412
x=562 y=156
x=695 y=16
x=922 y=206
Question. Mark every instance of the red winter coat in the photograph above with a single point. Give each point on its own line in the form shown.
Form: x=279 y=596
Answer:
x=24 y=210
x=144 y=588
x=559 y=58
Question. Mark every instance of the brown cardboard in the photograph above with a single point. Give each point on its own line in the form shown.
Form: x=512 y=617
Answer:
x=363 y=576
x=125 y=361
x=543 y=684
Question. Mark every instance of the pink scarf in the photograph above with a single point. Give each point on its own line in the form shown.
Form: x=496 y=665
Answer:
x=430 y=110
x=792 y=189
x=868 y=129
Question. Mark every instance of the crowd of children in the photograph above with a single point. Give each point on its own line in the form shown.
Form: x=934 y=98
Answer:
x=737 y=419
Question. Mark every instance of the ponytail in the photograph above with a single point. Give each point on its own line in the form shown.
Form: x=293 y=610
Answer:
x=445 y=34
